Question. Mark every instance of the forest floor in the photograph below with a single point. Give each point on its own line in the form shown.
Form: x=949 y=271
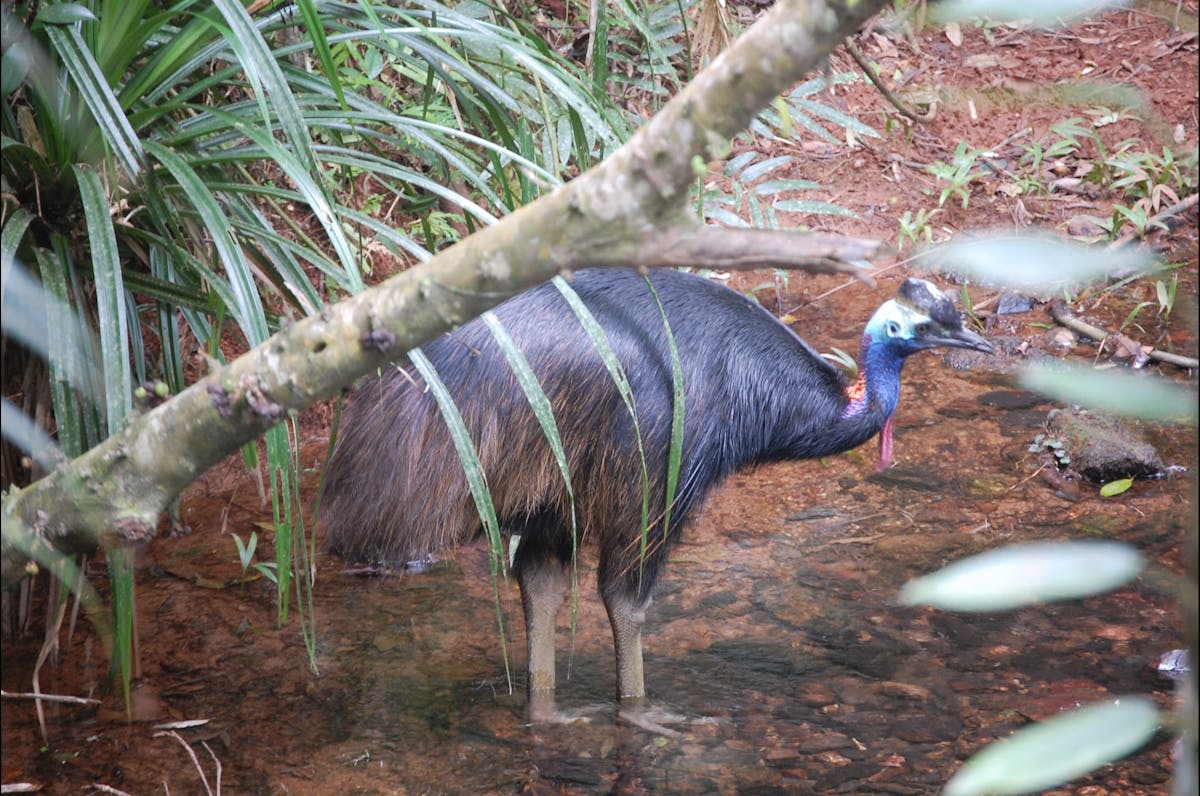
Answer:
x=864 y=696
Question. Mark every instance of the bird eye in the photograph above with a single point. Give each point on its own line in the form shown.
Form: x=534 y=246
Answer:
x=923 y=329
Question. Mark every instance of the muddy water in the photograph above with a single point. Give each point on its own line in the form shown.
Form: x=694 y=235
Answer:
x=774 y=640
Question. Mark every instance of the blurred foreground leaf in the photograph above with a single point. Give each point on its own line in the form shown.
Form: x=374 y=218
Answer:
x=1047 y=13
x=1052 y=752
x=1121 y=392
x=1019 y=575
x=1036 y=264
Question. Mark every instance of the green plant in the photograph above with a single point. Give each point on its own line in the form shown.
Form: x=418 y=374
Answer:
x=968 y=307
x=746 y=196
x=642 y=50
x=1102 y=116
x=1036 y=156
x=959 y=173
x=1132 y=316
x=916 y=228
x=245 y=553
x=170 y=174
x=1055 y=447
x=1137 y=215
x=1160 y=180
x=1165 y=293
x=988 y=27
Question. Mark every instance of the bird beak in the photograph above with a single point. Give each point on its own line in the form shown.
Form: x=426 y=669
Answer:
x=958 y=338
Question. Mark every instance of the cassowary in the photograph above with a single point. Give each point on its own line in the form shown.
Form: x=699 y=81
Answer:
x=394 y=490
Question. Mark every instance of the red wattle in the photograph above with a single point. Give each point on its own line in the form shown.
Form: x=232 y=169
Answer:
x=885 y=446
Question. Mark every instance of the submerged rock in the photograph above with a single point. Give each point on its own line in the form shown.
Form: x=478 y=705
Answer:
x=1013 y=304
x=1103 y=449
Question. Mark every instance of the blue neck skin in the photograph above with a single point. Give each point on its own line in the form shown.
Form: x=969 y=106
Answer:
x=878 y=386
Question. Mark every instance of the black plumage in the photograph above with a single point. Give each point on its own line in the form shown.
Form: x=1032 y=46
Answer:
x=754 y=392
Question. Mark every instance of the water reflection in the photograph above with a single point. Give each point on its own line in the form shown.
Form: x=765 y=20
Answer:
x=774 y=637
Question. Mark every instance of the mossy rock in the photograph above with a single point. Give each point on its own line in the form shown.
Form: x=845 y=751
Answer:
x=1102 y=449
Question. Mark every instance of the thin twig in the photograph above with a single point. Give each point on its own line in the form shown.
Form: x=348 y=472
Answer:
x=108 y=789
x=896 y=102
x=1025 y=480
x=216 y=762
x=832 y=290
x=72 y=700
x=192 y=754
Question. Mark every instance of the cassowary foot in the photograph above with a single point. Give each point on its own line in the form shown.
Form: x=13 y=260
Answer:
x=650 y=718
x=543 y=710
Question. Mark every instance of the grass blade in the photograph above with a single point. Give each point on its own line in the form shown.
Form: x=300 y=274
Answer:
x=540 y=404
x=617 y=373
x=675 y=449
x=468 y=457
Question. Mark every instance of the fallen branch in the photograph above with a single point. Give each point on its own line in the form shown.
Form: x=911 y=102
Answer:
x=1063 y=316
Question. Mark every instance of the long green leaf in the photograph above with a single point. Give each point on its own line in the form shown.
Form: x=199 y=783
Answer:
x=168 y=325
x=64 y=362
x=20 y=430
x=121 y=575
x=99 y=97
x=10 y=240
x=617 y=373
x=1121 y=392
x=271 y=90
x=247 y=306
x=281 y=476
x=1025 y=574
x=678 y=411
x=111 y=312
x=476 y=481
x=314 y=25
x=542 y=410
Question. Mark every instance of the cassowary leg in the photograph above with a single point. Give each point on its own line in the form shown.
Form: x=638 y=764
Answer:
x=627 y=617
x=544 y=584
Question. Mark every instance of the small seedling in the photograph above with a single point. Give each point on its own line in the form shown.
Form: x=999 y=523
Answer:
x=969 y=309
x=1166 y=295
x=916 y=228
x=245 y=551
x=1044 y=443
x=1129 y=320
x=960 y=172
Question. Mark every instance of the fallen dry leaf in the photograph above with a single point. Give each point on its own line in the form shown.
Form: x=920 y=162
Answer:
x=954 y=33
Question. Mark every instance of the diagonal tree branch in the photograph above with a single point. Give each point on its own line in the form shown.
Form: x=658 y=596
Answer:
x=630 y=210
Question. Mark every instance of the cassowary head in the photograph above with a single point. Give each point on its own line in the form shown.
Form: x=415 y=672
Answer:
x=920 y=317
